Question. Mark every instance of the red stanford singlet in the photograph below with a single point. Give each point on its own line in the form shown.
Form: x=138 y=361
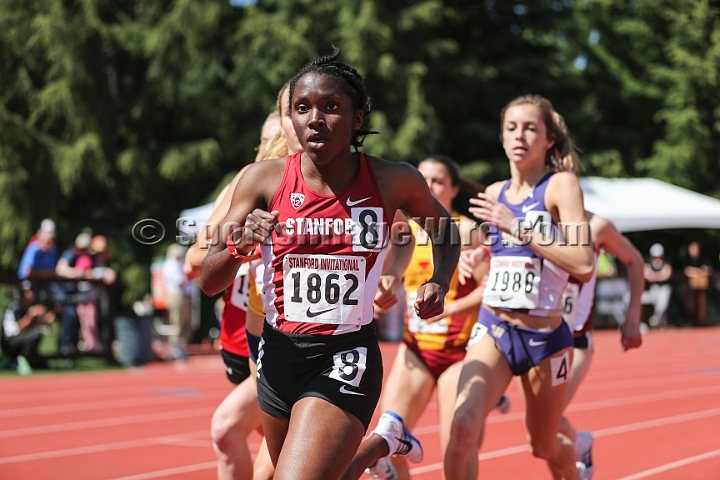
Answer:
x=323 y=266
x=233 y=317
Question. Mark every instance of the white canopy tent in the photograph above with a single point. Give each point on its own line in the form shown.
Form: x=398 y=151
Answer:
x=192 y=219
x=632 y=204
x=637 y=204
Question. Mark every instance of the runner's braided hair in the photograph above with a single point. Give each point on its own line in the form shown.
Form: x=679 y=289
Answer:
x=349 y=80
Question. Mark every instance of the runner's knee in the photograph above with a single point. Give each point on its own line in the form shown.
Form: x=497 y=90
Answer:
x=464 y=430
x=542 y=448
x=222 y=429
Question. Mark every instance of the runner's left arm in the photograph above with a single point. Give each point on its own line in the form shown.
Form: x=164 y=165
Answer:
x=608 y=237
x=400 y=251
x=417 y=201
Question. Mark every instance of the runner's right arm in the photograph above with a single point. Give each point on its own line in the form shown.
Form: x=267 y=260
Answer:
x=207 y=236
x=248 y=213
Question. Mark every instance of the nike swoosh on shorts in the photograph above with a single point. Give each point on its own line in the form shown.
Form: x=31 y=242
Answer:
x=350 y=203
x=343 y=389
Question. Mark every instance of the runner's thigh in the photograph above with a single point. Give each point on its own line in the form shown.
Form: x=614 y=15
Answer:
x=320 y=442
x=484 y=377
x=545 y=387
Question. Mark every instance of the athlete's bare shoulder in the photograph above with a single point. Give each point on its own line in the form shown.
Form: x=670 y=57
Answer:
x=493 y=190
x=398 y=182
x=380 y=166
x=262 y=178
x=564 y=180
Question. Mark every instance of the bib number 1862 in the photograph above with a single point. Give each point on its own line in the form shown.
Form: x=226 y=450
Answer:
x=323 y=288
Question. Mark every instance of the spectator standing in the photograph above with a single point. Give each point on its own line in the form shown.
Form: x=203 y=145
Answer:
x=698 y=271
x=178 y=290
x=78 y=309
x=22 y=329
x=657 y=277
x=40 y=257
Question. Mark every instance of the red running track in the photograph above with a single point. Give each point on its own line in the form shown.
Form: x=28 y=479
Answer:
x=655 y=413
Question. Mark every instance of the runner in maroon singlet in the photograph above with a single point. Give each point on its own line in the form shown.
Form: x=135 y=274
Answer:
x=322 y=219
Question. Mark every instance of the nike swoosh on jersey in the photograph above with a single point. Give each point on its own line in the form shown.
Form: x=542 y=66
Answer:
x=526 y=208
x=343 y=389
x=506 y=299
x=350 y=203
x=533 y=343
x=312 y=314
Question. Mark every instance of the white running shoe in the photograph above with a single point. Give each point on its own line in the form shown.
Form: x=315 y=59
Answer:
x=399 y=439
x=503 y=405
x=583 y=453
x=584 y=473
x=382 y=470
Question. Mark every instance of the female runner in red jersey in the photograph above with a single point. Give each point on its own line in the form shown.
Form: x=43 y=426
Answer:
x=241 y=325
x=322 y=220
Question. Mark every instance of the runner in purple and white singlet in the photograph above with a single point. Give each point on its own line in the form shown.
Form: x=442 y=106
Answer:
x=520 y=330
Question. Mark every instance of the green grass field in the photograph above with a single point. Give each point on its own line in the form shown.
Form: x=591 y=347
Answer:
x=48 y=347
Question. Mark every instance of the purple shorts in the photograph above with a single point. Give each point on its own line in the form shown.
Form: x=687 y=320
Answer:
x=523 y=347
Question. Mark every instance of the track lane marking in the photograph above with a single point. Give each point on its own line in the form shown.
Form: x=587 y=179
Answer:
x=171 y=471
x=673 y=465
x=107 y=422
x=155 y=399
x=105 y=447
x=599 y=404
x=596 y=433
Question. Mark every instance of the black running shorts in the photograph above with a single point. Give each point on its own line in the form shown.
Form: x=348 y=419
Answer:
x=345 y=370
x=237 y=368
x=583 y=342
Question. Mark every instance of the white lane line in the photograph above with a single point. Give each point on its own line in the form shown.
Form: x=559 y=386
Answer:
x=106 y=422
x=579 y=407
x=171 y=471
x=99 y=392
x=483 y=456
x=650 y=397
x=673 y=465
x=151 y=399
x=686 y=417
x=181 y=439
x=596 y=433
x=106 y=447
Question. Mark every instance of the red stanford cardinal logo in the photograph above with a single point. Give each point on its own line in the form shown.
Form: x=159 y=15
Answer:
x=296 y=200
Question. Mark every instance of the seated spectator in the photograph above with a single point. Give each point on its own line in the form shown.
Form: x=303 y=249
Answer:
x=698 y=271
x=78 y=310
x=657 y=276
x=22 y=329
x=40 y=257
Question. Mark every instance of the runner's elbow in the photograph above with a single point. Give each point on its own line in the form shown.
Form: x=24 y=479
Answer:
x=583 y=272
x=208 y=284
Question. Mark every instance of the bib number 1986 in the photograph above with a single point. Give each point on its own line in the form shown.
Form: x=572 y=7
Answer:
x=513 y=282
